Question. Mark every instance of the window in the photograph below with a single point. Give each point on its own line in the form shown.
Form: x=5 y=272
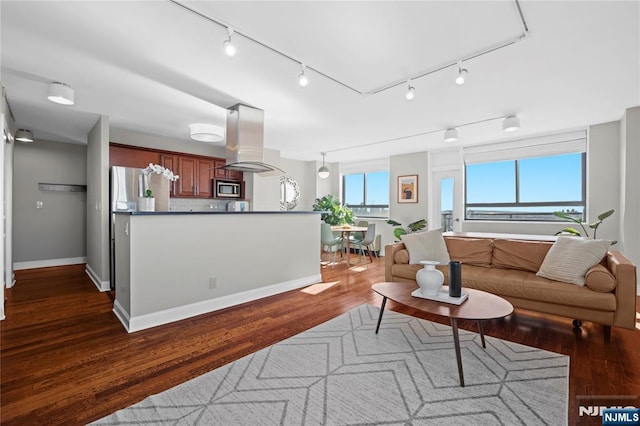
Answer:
x=526 y=189
x=367 y=194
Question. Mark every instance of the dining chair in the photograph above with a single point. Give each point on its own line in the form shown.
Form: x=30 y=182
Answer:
x=329 y=241
x=356 y=237
x=368 y=240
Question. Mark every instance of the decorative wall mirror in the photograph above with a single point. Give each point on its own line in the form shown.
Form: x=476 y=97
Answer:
x=289 y=193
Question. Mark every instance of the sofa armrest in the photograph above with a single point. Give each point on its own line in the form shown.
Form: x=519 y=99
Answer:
x=389 y=254
x=626 y=289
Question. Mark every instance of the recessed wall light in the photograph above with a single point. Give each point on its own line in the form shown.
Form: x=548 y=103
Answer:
x=204 y=132
x=61 y=93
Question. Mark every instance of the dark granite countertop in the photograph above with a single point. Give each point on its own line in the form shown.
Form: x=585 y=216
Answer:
x=211 y=212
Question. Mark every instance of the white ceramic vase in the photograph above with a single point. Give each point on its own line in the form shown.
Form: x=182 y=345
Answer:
x=429 y=278
x=146 y=204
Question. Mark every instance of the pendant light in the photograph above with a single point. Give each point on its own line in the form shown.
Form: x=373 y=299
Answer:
x=323 y=172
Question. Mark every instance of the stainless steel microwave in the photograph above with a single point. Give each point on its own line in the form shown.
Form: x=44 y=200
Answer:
x=226 y=189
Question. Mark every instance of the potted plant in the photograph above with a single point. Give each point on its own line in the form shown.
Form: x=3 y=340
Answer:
x=147 y=203
x=400 y=230
x=333 y=212
x=574 y=231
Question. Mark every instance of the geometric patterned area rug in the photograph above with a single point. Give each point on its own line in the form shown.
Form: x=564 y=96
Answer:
x=342 y=373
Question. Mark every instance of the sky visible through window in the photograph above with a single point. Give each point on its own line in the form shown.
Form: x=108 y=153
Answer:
x=541 y=179
x=377 y=188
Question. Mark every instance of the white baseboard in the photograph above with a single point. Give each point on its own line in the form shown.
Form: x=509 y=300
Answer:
x=141 y=322
x=18 y=266
x=101 y=285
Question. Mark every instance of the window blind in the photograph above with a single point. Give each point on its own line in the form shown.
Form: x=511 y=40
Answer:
x=563 y=143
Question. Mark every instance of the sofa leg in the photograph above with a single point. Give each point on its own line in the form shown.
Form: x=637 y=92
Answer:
x=577 y=323
x=607 y=332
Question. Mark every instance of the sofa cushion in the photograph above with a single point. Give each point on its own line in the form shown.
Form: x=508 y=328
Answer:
x=426 y=246
x=405 y=271
x=519 y=254
x=401 y=257
x=598 y=278
x=570 y=258
x=470 y=251
x=526 y=285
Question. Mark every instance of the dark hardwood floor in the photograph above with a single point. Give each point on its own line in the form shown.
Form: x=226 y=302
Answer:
x=65 y=358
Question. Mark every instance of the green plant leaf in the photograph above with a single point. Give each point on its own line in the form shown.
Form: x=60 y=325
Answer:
x=603 y=216
x=398 y=233
x=417 y=225
x=565 y=216
x=393 y=222
x=572 y=231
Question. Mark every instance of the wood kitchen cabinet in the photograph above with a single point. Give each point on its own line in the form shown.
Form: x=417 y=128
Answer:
x=195 y=177
x=126 y=156
x=226 y=174
x=170 y=161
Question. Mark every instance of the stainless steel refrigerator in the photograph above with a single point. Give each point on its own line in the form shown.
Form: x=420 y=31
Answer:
x=126 y=186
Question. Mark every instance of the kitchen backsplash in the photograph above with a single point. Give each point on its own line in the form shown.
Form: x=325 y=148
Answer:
x=196 y=205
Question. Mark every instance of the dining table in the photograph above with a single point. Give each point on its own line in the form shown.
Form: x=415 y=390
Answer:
x=346 y=231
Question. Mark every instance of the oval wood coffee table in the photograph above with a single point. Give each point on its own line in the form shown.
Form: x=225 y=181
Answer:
x=479 y=306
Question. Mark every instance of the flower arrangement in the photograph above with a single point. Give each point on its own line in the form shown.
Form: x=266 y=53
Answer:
x=159 y=170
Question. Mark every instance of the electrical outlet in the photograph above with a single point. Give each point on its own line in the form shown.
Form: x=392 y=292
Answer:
x=213 y=282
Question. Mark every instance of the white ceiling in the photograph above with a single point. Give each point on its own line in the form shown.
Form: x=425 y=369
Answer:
x=156 y=67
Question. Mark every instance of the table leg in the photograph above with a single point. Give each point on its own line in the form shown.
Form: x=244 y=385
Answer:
x=348 y=250
x=456 y=342
x=384 y=302
x=484 y=345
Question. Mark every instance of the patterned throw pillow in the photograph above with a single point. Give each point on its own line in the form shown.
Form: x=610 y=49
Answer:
x=570 y=258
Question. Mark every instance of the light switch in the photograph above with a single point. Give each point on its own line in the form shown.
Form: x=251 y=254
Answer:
x=39 y=205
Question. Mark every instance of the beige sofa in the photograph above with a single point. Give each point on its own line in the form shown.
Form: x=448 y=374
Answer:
x=506 y=265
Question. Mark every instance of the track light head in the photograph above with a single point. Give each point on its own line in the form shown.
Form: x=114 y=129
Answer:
x=462 y=73
x=410 y=91
x=451 y=135
x=303 y=81
x=511 y=123
x=229 y=48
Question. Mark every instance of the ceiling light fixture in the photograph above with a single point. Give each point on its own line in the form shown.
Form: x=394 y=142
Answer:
x=451 y=135
x=204 y=132
x=61 y=93
x=24 y=135
x=462 y=73
x=511 y=123
x=323 y=172
x=410 y=91
x=303 y=81
x=229 y=48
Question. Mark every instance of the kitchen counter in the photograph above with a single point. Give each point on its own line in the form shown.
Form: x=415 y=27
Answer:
x=214 y=212
x=174 y=265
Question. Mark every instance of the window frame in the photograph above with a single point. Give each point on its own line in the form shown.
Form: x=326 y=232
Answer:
x=364 y=193
x=517 y=203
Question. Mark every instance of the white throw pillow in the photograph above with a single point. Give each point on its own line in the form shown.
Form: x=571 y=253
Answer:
x=426 y=246
x=570 y=258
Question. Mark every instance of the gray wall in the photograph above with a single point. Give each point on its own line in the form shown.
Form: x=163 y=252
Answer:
x=408 y=164
x=58 y=230
x=98 y=203
x=630 y=185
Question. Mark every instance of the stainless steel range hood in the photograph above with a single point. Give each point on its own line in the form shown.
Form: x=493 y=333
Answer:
x=245 y=141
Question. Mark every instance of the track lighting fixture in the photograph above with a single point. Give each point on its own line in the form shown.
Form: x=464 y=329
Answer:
x=303 y=81
x=61 y=93
x=24 y=135
x=323 y=172
x=229 y=48
x=410 y=91
x=462 y=73
x=511 y=123
x=451 y=135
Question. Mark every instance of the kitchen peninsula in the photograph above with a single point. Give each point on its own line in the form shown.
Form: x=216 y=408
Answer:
x=174 y=265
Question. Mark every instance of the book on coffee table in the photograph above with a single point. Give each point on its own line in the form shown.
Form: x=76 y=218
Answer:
x=442 y=296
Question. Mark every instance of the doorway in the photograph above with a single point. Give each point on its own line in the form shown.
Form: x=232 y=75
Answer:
x=446 y=193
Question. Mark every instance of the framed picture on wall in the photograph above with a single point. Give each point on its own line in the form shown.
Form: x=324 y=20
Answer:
x=408 y=189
